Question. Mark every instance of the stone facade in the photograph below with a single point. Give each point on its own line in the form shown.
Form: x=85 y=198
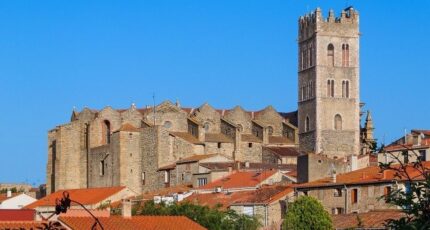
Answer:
x=128 y=147
x=328 y=107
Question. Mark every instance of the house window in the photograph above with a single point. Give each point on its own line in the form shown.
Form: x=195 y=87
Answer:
x=338 y=122
x=387 y=192
x=405 y=157
x=249 y=145
x=345 y=55
x=248 y=210
x=202 y=181
x=307 y=123
x=219 y=145
x=330 y=55
x=102 y=168
x=143 y=178
x=354 y=196
x=338 y=192
x=422 y=155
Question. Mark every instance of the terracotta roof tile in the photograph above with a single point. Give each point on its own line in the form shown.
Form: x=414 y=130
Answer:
x=217 y=137
x=240 y=179
x=252 y=166
x=22 y=225
x=136 y=222
x=167 y=167
x=367 y=175
x=17 y=214
x=284 y=151
x=374 y=219
x=187 y=137
x=85 y=196
x=4 y=197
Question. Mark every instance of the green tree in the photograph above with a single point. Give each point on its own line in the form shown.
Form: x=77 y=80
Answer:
x=210 y=218
x=307 y=213
x=414 y=199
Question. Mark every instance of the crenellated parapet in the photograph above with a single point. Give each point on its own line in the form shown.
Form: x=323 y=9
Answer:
x=315 y=21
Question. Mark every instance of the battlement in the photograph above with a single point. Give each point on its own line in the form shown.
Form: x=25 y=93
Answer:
x=311 y=20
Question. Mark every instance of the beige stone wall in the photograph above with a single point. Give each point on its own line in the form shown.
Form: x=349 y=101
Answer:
x=250 y=153
x=227 y=149
x=368 y=198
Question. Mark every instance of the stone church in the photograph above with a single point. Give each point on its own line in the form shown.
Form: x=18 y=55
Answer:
x=130 y=147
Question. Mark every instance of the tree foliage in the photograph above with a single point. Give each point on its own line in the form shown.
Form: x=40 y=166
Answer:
x=414 y=198
x=307 y=213
x=210 y=218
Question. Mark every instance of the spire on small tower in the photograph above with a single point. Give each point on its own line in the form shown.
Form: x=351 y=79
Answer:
x=369 y=121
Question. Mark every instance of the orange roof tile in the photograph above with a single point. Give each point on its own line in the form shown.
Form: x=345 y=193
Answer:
x=240 y=179
x=136 y=222
x=22 y=225
x=367 y=175
x=4 y=197
x=374 y=219
x=17 y=214
x=85 y=196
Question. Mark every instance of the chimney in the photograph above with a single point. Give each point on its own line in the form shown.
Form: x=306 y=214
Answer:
x=9 y=193
x=126 y=208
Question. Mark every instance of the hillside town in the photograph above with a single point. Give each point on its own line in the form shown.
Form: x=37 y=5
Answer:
x=106 y=168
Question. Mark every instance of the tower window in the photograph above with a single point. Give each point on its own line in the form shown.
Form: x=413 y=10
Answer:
x=330 y=88
x=345 y=89
x=270 y=130
x=330 y=55
x=106 y=132
x=311 y=55
x=338 y=122
x=345 y=55
x=307 y=123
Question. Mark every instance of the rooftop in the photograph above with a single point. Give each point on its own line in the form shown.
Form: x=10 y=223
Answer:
x=85 y=196
x=241 y=179
x=373 y=219
x=369 y=175
x=284 y=151
x=135 y=222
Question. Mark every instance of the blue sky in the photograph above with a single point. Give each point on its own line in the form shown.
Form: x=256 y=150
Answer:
x=58 y=54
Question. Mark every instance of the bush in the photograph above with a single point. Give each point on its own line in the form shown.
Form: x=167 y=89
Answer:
x=307 y=213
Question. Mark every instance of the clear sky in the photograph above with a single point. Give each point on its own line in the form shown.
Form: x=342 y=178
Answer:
x=58 y=54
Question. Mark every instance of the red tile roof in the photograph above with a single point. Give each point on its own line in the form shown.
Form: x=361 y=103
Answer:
x=241 y=179
x=136 y=222
x=367 y=175
x=374 y=219
x=85 y=196
x=4 y=197
x=128 y=128
x=284 y=151
x=264 y=195
x=17 y=214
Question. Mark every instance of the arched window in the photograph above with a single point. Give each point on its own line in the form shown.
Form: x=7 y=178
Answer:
x=106 y=132
x=337 y=122
x=330 y=55
x=347 y=89
x=345 y=55
x=311 y=55
x=307 y=123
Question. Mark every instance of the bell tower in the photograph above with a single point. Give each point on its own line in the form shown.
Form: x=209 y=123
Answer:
x=328 y=72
